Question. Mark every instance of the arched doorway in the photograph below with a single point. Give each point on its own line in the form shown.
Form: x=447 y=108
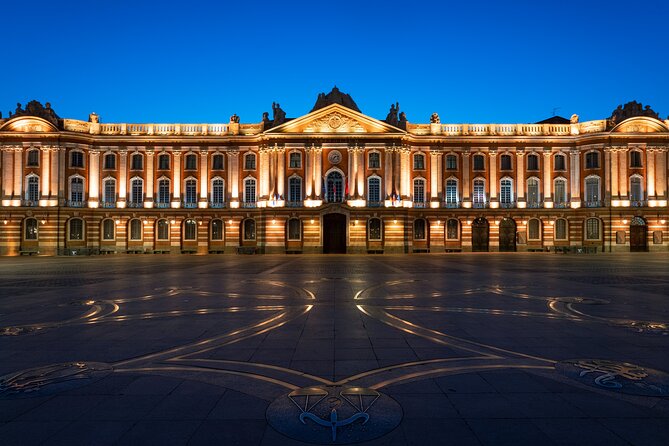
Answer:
x=638 y=235
x=507 y=235
x=334 y=234
x=334 y=184
x=480 y=231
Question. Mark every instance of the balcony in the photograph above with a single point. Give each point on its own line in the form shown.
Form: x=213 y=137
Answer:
x=592 y=204
x=534 y=205
x=75 y=204
x=451 y=205
x=135 y=204
x=480 y=205
x=248 y=205
x=189 y=205
x=108 y=204
x=374 y=204
x=213 y=205
x=29 y=203
x=294 y=204
x=560 y=205
x=507 y=204
x=419 y=204
x=638 y=203
x=162 y=205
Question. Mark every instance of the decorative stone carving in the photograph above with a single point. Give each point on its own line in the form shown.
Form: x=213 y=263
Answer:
x=335 y=97
x=234 y=119
x=279 y=115
x=434 y=118
x=35 y=108
x=574 y=119
x=334 y=122
x=630 y=110
x=94 y=118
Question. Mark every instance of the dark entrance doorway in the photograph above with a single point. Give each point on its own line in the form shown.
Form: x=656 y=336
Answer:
x=507 y=235
x=334 y=234
x=480 y=229
x=638 y=235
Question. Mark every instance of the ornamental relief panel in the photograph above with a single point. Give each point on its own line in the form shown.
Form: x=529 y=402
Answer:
x=334 y=123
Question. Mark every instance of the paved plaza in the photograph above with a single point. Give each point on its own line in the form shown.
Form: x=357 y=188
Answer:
x=456 y=349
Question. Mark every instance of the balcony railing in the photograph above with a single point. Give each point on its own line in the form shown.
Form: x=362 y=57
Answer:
x=189 y=205
x=75 y=203
x=638 y=203
x=294 y=204
x=108 y=204
x=249 y=204
x=162 y=205
x=592 y=204
x=452 y=205
x=534 y=205
x=480 y=205
x=136 y=204
x=374 y=204
x=507 y=204
x=216 y=205
x=29 y=203
x=561 y=205
x=419 y=204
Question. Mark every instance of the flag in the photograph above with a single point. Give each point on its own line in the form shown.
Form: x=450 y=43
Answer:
x=346 y=193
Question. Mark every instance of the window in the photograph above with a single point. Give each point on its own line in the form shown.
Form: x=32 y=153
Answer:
x=163 y=192
x=505 y=162
x=250 y=190
x=559 y=191
x=295 y=189
x=374 y=160
x=136 y=162
x=109 y=191
x=249 y=229
x=191 y=162
x=532 y=162
x=374 y=229
x=479 y=162
x=592 y=160
x=419 y=232
x=76 y=159
x=533 y=229
x=592 y=190
x=374 y=190
x=592 y=229
x=560 y=229
x=217 y=162
x=533 y=197
x=506 y=192
x=249 y=161
x=217 y=229
x=76 y=229
x=419 y=162
x=190 y=197
x=334 y=187
x=135 y=229
x=419 y=190
x=452 y=191
x=164 y=162
x=137 y=191
x=217 y=191
x=32 y=192
x=30 y=232
x=190 y=230
x=451 y=162
x=560 y=163
x=479 y=192
x=294 y=229
x=452 y=229
x=110 y=161
x=33 y=158
x=162 y=230
x=108 y=228
x=77 y=189
x=635 y=159
x=636 y=189
x=295 y=160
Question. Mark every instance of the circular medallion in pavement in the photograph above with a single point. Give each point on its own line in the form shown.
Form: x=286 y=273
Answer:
x=51 y=379
x=334 y=414
x=616 y=376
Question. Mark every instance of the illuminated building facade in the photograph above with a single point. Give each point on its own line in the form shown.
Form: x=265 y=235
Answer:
x=333 y=180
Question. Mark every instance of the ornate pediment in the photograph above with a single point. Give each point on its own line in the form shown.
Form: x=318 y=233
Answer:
x=640 y=125
x=28 y=125
x=334 y=118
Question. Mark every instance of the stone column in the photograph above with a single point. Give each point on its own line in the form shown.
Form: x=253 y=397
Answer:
x=122 y=177
x=150 y=180
x=263 y=174
x=53 y=176
x=93 y=178
x=622 y=174
x=607 y=175
x=204 y=180
x=405 y=170
x=661 y=172
x=308 y=173
x=548 y=180
x=615 y=180
x=361 y=173
x=18 y=173
x=388 y=172
x=466 y=197
x=281 y=173
x=650 y=172
x=318 y=172
x=233 y=177
x=62 y=163
x=45 y=171
x=520 y=177
x=493 y=176
x=176 y=179
x=434 y=176
x=7 y=173
x=351 y=173
x=440 y=174
x=575 y=177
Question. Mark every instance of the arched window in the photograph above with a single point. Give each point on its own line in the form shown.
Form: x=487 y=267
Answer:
x=137 y=192
x=451 y=162
x=162 y=230
x=33 y=158
x=593 y=229
x=374 y=232
x=190 y=197
x=334 y=191
x=506 y=192
x=374 y=190
x=191 y=162
x=479 y=162
x=76 y=191
x=249 y=229
x=592 y=160
x=217 y=192
x=534 y=229
x=249 y=161
x=190 y=230
x=374 y=160
x=137 y=161
x=419 y=161
x=108 y=229
x=479 y=192
x=419 y=229
x=532 y=162
x=533 y=196
x=217 y=162
x=217 y=229
x=135 y=226
x=559 y=162
x=110 y=161
x=636 y=190
x=505 y=162
x=75 y=229
x=294 y=229
x=295 y=160
x=30 y=229
x=164 y=161
x=250 y=191
x=560 y=229
x=635 y=159
x=76 y=159
x=163 y=193
x=452 y=192
x=32 y=189
x=592 y=191
x=452 y=229
x=559 y=192
x=294 y=191
x=419 y=191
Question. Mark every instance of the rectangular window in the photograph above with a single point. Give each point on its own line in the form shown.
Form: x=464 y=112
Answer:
x=560 y=192
x=191 y=162
x=374 y=160
x=108 y=230
x=249 y=191
x=560 y=162
x=532 y=162
x=419 y=162
x=76 y=159
x=217 y=162
x=217 y=192
x=451 y=162
x=136 y=162
x=164 y=162
x=295 y=160
x=217 y=230
x=374 y=190
x=295 y=190
x=451 y=191
x=418 y=191
x=592 y=229
x=163 y=191
x=294 y=229
x=505 y=162
x=479 y=192
x=635 y=159
x=110 y=161
x=592 y=160
x=479 y=163
x=250 y=162
x=452 y=229
x=561 y=229
x=76 y=229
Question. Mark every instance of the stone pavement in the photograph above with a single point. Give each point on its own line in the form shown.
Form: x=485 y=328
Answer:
x=453 y=349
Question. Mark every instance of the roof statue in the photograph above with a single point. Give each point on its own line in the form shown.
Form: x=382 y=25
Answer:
x=35 y=108
x=434 y=118
x=335 y=97
x=278 y=114
x=630 y=110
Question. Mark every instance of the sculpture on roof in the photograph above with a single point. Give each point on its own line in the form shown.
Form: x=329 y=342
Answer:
x=278 y=114
x=335 y=97
x=391 y=117
x=630 y=110
x=434 y=118
x=234 y=119
x=573 y=119
x=35 y=108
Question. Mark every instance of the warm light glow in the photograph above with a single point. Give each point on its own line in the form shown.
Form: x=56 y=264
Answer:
x=356 y=221
x=497 y=222
x=312 y=221
x=551 y=222
x=395 y=221
x=469 y=222
x=575 y=204
x=274 y=221
x=43 y=222
x=175 y=204
x=148 y=204
x=4 y=222
x=230 y=221
x=202 y=205
x=234 y=204
x=199 y=222
x=173 y=222
x=118 y=222
x=663 y=221
x=120 y=204
x=434 y=204
x=521 y=205
x=494 y=204
x=356 y=203
x=548 y=204
x=615 y=203
x=312 y=203
x=624 y=221
x=94 y=204
x=466 y=204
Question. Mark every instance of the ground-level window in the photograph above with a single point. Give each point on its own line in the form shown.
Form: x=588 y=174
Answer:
x=135 y=229
x=76 y=229
x=452 y=229
x=294 y=229
x=249 y=229
x=419 y=229
x=534 y=229
x=162 y=230
x=108 y=228
x=561 y=229
x=560 y=191
x=30 y=232
x=190 y=230
x=592 y=229
x=374 y=229
x=217 y=229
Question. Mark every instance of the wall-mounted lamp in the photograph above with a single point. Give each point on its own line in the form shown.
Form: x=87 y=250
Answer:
x=663 y=221
x=624 y=221
x=118 y=222
x=230 y=221
x=356 y=221
x=312 y=221
x=43 y=222
x=173 y=222
x=4 y=222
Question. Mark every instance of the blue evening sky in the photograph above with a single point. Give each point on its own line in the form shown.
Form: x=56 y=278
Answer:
x=472 y=61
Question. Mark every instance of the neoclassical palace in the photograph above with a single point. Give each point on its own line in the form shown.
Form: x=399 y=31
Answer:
x=332 y=181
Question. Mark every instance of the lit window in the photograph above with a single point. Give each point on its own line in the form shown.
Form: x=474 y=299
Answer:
x=163 y=191
x=419 y=162
x=217 y=191
x=109 y=191
x=506 y=192
x=452 y=191
x=249 y=161
x=190 y=230
x=419 y=232
x=374 y=160
x=295 y=160
x=452 y=229
x=162 y=230
x=217 y=229
x=419 y=190
x=250 y=190
x=77 y=189
x=295 y=189
x=76 y=229
x=30 y=232
x=32 y=192
x=249 y=229
x=191 y=192
x=374 y=190
x=374 y=229
x=479 y=192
